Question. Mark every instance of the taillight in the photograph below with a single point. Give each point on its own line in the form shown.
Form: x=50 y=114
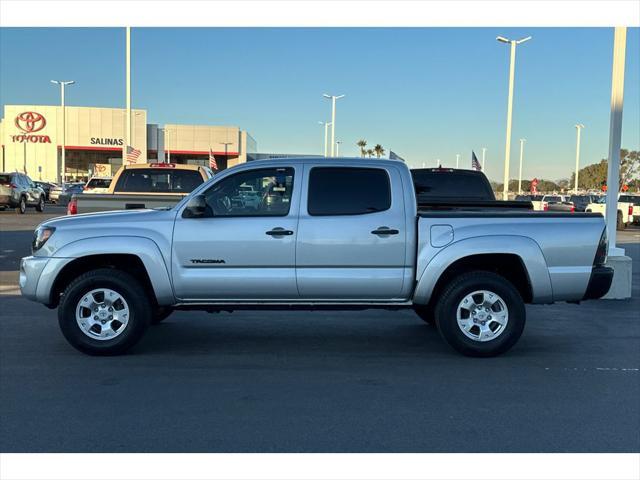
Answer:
x=545 y=206
x=601 y=252
x=72 y=208
x=630 y=209
x=573 y=208
x=163 y=165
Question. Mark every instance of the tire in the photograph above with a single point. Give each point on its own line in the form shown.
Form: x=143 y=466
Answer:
x=160 y=314
x=40 y=205
x=426 y=314
x=96 y=342
x=22 y=206
x=620 y=225
x=498 y=337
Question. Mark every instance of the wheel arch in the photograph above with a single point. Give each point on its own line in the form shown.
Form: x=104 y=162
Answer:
x=142 y=259
x=503 y=255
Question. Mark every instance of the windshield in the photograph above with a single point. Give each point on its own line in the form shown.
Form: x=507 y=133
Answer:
x=99 y=183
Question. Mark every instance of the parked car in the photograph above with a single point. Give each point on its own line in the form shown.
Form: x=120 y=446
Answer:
x=635 y=201
x=143 y=185
x=536 y=201
x=335 y=234
x=455 y=188
x=46 y=187
x=56 y=191
x=18 y=191
x=625 y=210
x=68 y=193
x=557 y=203
x=97 y=185
x=582 y=201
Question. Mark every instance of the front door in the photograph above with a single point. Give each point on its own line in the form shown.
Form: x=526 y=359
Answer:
x=351 y=235
x=243 y=249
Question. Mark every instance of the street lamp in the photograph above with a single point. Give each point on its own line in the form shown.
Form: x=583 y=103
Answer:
x=338 y=142
x=333 y=119
x=579 y=128
x=484 y=152
x=63 y=83
x=326 y=128
x=512 y=64
x=457 y=160
x=522 y=140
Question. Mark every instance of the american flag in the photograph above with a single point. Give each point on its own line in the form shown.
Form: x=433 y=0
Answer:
x=132 y=154
x=475 y=164
x=213 y=165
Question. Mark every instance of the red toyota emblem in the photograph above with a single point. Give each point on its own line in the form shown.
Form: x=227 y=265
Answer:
x=30 y=122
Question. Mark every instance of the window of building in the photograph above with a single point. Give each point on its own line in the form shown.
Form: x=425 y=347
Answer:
x=348 y=191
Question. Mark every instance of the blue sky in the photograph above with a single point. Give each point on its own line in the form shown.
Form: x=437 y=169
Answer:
x=426 y=93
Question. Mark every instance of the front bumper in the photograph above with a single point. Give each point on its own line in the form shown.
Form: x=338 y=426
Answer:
x=599 y=283
x=30 y=270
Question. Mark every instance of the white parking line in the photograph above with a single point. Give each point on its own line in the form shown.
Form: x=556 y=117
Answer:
x=599 y=369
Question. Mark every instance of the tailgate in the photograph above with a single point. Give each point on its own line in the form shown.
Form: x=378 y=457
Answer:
x=122 y=201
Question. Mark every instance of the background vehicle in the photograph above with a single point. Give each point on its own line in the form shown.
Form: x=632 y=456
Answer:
x=69 y=192
x=97 y=185
x=57 y=190
x=18 y=191
x=557 y=203
x=454 y=188
x=143 y=185
x=536 y=201
x=635 y=201
x=331 y=233
x=625 y=211
x=582 y=201
x=46 y=188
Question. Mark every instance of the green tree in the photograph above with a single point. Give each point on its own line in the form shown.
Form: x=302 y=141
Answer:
x=379 y=150
x=370 y=152
x=592 y=176
x=362 y=143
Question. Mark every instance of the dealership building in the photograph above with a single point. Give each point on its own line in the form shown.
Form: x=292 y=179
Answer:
x=31 y=137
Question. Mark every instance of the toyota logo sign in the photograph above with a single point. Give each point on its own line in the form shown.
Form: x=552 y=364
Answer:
x=30 y=122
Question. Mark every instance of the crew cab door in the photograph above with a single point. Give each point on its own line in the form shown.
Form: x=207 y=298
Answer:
x=240 y=250
x=351 y=234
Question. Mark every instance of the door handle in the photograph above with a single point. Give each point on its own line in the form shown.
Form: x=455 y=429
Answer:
x=279 y=231
x=385 y=231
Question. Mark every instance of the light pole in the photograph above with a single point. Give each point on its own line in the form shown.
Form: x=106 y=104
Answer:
x=128 y=84
x=63 y=83
x=522 y=140
x=338 y=142
x=507 y=148
x=457 y=160
x=333 y=119
x=326 y=130
x=484 y=152
x=166 y=144
x=226 y=151
x=579 y=127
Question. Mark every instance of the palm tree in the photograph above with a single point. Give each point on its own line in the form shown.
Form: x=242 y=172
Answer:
x=362 y=143
x=379 y=150
x=370 y=152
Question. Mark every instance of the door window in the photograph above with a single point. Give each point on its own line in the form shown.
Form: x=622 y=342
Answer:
x=348 y=191
x=262 y=192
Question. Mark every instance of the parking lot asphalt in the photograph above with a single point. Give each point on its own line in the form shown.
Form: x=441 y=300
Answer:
x=367 y=381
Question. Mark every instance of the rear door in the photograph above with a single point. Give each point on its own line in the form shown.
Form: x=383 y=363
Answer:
x=351 y=234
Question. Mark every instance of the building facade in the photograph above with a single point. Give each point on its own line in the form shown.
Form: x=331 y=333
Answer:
x=31 y=138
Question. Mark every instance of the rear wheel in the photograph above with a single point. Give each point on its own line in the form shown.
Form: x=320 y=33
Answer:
x=22 y=206
x=104 y=312
x=40 y=205
x=480 y=314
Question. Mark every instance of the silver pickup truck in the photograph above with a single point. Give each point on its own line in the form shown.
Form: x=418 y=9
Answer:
x=325 y=233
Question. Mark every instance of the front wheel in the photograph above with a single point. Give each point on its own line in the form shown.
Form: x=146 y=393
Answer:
x=22 y=206
x=104 y=312
x=40 y=205
x=480 y=314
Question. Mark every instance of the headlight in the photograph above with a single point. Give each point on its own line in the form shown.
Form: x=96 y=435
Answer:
x=40 y=237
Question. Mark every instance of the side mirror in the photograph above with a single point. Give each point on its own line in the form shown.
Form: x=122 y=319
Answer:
x=196 y=207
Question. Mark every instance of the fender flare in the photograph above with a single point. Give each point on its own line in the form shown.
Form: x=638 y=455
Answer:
x=145 y=249
x=524 y=247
